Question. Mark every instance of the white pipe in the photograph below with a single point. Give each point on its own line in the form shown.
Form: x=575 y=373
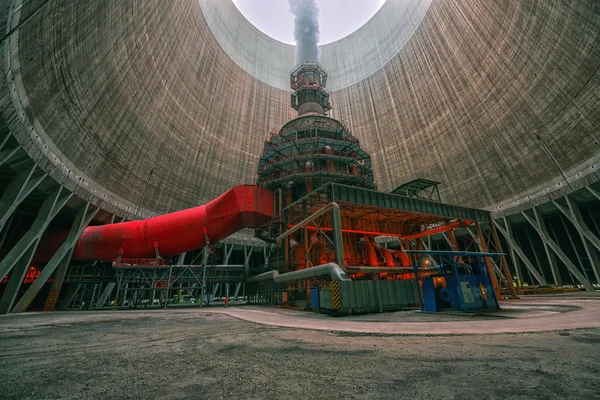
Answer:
x=332 y=269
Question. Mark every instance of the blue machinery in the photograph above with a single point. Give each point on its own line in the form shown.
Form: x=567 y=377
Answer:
x=457 y=286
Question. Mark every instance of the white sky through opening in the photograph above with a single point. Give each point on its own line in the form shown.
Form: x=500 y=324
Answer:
x=337 y=18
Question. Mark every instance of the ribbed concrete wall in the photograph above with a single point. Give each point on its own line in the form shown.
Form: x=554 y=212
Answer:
x=466 y=99
x=118 y=88
x=348 y=61
x=459 y=93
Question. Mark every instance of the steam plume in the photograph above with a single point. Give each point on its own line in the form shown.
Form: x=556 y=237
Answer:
x=306 y=29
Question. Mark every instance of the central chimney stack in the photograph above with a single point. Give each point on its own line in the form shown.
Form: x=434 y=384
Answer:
x=308 y=82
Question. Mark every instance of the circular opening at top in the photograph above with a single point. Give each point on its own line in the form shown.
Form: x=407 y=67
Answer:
x=337 y=18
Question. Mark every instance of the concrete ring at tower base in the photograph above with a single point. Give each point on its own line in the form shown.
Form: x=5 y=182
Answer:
x=586 y=316
x=497 y=100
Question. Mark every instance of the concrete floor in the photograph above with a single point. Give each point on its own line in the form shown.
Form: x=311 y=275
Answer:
x=531 y=315
x=203 y=353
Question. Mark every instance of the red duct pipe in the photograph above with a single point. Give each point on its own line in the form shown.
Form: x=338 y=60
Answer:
x=298 y=252
x=389 y=259
x=371 y=255
x=444 y=228
x=175 y=233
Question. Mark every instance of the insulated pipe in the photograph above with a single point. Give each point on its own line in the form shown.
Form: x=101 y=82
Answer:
x=299 y=258
x=354 y=167
x=320 y=257
x=289 y=194
x=175 y=233
x=338 y=242
x=371 y=254
x=308 y=167
x=375 y=270
x=403 y=257
x=330 y=166
x=389 y=259
x=332 y=269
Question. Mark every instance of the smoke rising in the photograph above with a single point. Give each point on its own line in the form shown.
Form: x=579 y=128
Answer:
x=306 y=30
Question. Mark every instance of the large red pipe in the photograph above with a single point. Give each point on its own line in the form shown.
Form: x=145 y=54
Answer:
x=175 y=233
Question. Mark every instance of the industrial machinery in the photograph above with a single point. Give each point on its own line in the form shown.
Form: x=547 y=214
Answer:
x=343 y=246
x=340 y=245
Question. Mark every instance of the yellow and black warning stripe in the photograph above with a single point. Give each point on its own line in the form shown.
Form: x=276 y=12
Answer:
x=336 y=300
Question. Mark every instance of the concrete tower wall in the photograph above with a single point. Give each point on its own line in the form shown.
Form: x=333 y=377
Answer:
x=100 y=93
x=499 y=100
x=117 y=89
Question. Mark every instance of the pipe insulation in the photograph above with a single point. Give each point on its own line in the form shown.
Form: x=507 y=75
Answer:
x=241 y=207
x=332 y=269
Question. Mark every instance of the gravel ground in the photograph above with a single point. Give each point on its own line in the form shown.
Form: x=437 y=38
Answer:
x=193 y=354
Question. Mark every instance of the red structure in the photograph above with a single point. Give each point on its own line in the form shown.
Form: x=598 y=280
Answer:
x=245 y=206
x=175 y=233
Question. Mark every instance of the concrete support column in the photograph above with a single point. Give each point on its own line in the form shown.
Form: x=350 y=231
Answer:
x=104 y=296
x=59 y=263
x=517 y=249
x=594 y=192
x=4 y=232
x=574 y=247
x=237 y=290
x=228 y=252
x=537 y=222
x=71 y=293
x=215 y=289
x=7 y=152
x=181 y=259
x=153 y=290
x=21 y=185
x=267 y=256
x=591 y=242
x=19 y=258
x=555 y=236
x=513 y=253
x=247 y=254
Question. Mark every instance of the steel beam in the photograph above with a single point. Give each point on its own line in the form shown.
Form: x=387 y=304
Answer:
x=181 y=259
x=59 y=263
x=496 y=238
x=537 y=222
x=19 y=258
x=482 y=249
x=453 y=246
x=490 y=266
x=513 y=245
x=350 y=194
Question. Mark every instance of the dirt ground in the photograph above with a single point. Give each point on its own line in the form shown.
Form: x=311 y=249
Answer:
x=176 y=354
